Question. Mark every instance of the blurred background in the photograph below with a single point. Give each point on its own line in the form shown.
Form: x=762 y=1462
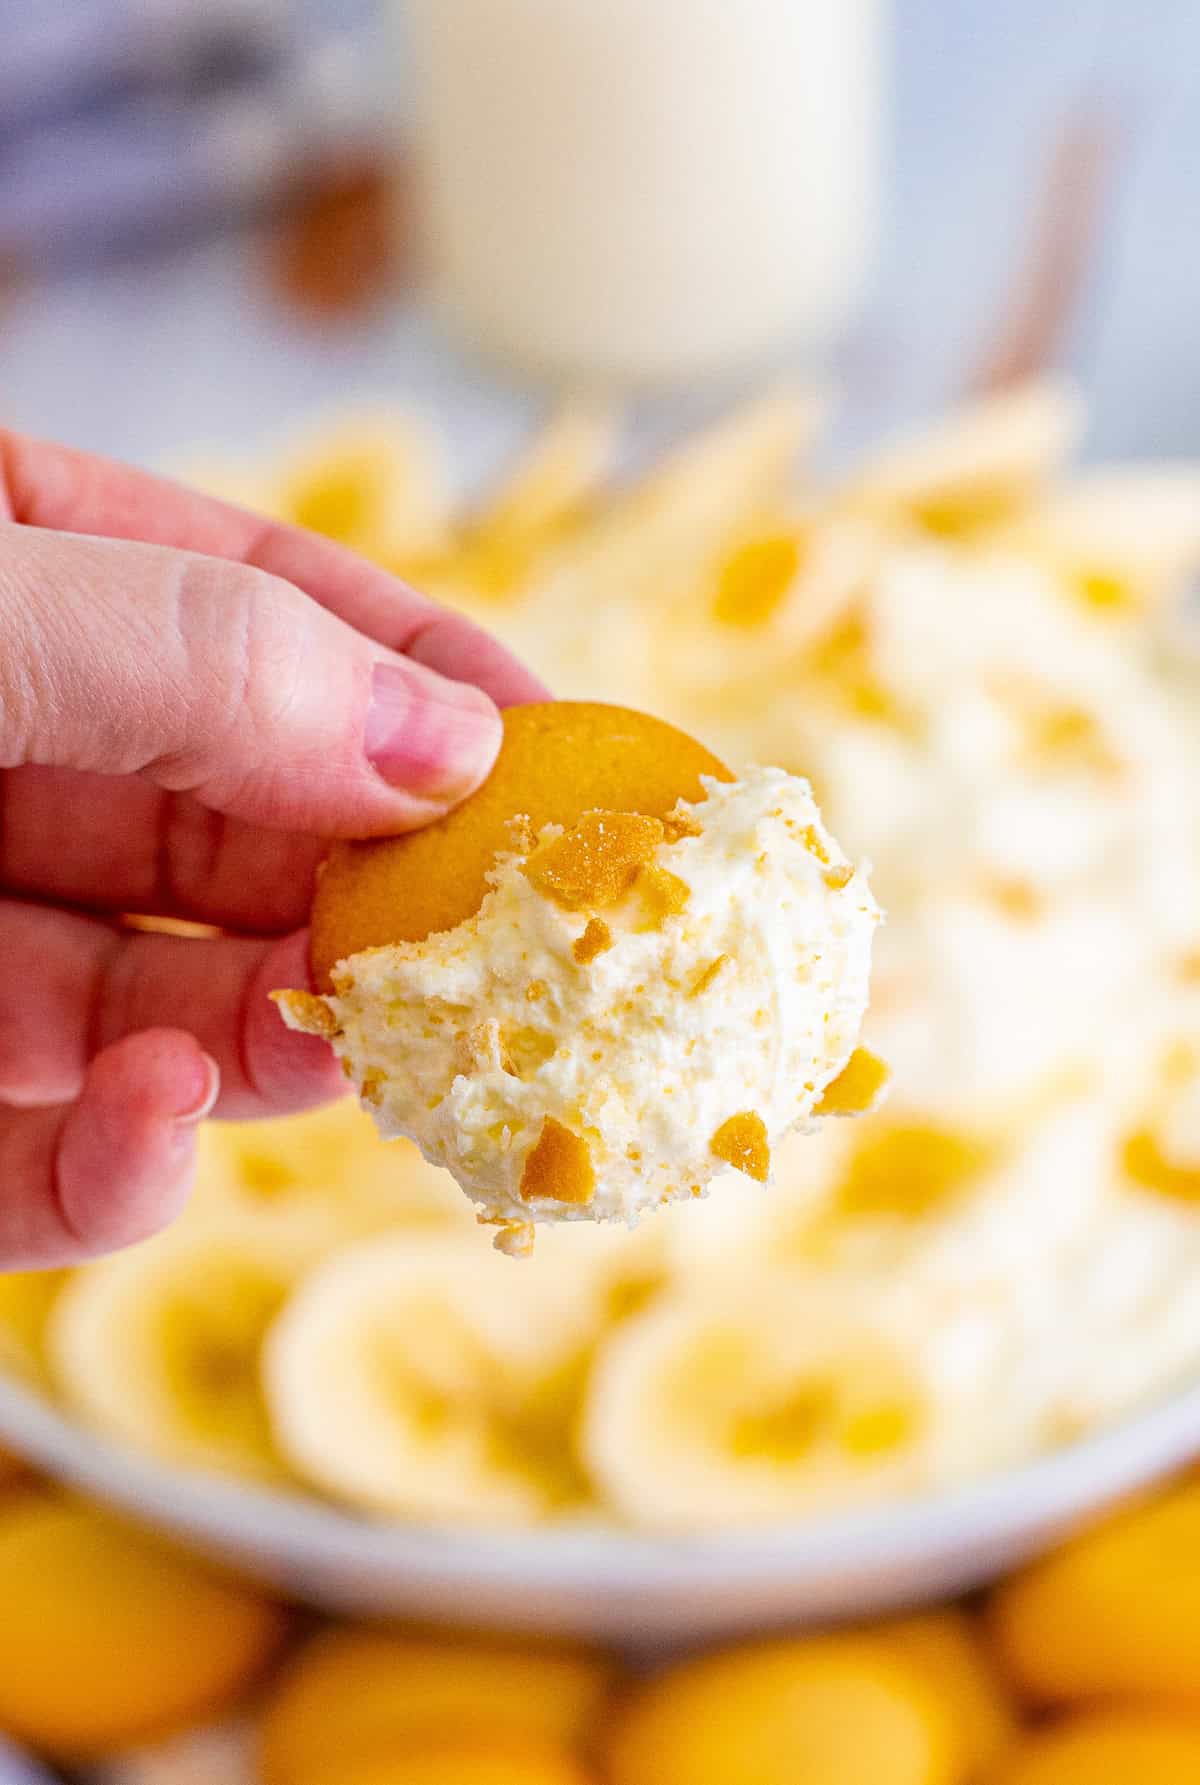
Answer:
x=206 y=217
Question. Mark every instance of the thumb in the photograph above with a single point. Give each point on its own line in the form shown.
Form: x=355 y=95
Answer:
x=222 y=681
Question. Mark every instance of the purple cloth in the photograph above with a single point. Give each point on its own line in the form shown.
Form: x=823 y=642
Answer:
x=110 y=137
x=62 y=54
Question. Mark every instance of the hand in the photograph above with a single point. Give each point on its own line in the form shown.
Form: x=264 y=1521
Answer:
x=191 y=700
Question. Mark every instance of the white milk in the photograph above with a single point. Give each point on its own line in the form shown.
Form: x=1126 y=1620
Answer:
x=647 y=189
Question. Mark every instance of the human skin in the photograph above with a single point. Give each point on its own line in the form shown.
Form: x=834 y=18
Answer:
x=193 y=700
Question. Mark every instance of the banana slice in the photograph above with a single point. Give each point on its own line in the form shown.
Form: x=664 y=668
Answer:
x=432 y=1378
x=703 y=1414
x=725 y=1238
x=621 y=1270
x=553 y=487
x=976 y=468
x=159 y=1348
x=373 y=481
x=1126 y=536
x=307 y=1184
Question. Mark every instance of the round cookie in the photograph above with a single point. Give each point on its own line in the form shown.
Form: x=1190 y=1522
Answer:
x=558 y=760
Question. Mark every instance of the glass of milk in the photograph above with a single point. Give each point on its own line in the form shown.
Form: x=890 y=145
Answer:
x=647 y=191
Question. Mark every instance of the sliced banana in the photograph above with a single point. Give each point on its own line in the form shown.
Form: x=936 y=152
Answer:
x=553 y=488
x=432 y=1378
x=973 y=469
x=159 y=1347
x=707 y=1412
x=307 y=1184
x=374 y=481
x=1127 y=536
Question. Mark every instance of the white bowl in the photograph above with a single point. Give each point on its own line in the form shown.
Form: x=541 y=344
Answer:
x=605 y=1582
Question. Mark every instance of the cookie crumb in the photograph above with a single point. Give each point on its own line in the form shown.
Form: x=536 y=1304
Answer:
x=742 y=1143
x=594 y=940
x=308 y=1013
x=858 y=1087
x=559 y=1168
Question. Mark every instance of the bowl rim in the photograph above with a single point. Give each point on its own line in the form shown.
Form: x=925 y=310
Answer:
x=1026 y=1500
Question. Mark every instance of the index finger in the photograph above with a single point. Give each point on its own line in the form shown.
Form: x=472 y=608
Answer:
x=46 y=485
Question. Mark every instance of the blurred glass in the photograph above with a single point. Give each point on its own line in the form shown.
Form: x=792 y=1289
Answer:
x=647 y=190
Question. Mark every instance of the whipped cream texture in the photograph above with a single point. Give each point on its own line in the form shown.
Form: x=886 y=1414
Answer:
x=637 y=1005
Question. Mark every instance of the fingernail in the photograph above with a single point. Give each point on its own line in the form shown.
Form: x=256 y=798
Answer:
x=207 y=1086
x=430 y=736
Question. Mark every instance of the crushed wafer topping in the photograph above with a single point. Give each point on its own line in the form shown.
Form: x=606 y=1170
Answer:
x=706 y=976
x=814 y=845
x=681 y=823
x=742 y=1142
x=663 y=895
x=559 y=1167
x=857 y=1088
x=513 y=1238
x=309 y=1013
x=594 y=940
x=595 y=863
